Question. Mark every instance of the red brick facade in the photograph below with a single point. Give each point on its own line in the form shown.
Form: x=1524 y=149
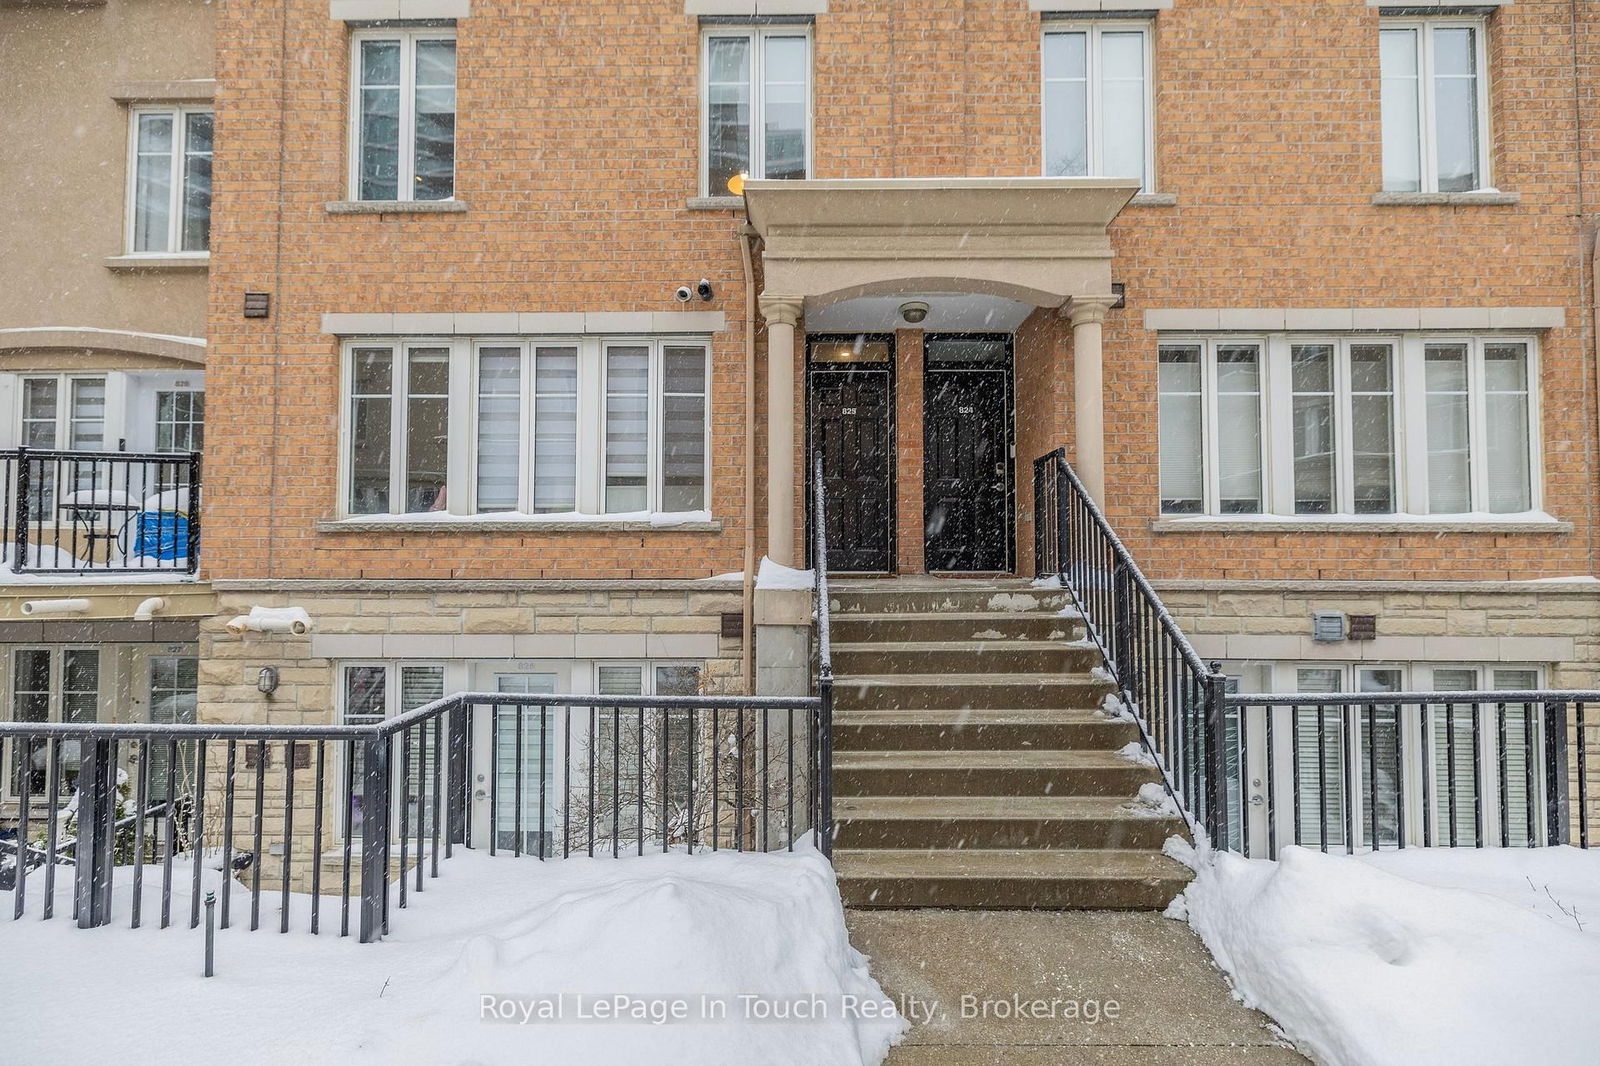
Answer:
x=577 y=151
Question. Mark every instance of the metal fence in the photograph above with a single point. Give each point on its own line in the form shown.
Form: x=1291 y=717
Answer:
x=1359 y=771
x=1370 y=771
x=77 y=512
x=372 y=810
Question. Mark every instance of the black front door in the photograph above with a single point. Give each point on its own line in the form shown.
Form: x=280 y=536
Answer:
x=967 y=453
x=852 y=430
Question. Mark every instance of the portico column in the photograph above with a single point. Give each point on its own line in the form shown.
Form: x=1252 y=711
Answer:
x=1088 y=315
x=781 y=313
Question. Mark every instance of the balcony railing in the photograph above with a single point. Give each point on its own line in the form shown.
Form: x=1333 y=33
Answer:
x=75 y=514
x=1255 y=773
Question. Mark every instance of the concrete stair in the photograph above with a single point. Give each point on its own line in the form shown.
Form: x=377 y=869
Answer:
x=973 y=766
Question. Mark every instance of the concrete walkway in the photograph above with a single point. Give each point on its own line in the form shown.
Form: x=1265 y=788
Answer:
x=1172 y=1005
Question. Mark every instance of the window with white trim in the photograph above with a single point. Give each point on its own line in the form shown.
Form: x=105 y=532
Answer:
x=1302 y=425
x=403 y=114
x=180 y=420
x=756 y=84
x=169 y=181
x=50 y=684
x=1435 y=105
x=556 y=426
x=1097 y=102
x=1494 y=747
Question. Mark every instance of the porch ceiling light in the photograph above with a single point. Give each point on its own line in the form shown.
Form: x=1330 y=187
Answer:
x=914 y=311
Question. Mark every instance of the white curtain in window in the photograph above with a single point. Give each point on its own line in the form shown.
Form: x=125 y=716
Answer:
x=1505 y=372
x=555 y=429
x=627 y=428
x=1066 y=104
x=499 y=427
x=785 y=73
x=1319 y=760
x=1122 y=104
x=1455 y=102
x=683 y=428
x=1239 y=428
x=1449 y=482
x=1455 y=759
x=1402 y=110
x=152 y=182
x=1182 y=444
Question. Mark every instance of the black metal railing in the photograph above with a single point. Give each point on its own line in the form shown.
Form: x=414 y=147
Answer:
x=819 y=527
x=1370 y=771
x=376 y=807
x=1175 y=698
x=76 y=512
x=1360 y=771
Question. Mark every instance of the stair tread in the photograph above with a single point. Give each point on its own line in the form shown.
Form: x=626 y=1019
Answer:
x=1011 y=863
x=984 y=759
x=1072 y=615
x=999 y=808
x=1077 y=679
x=982 y=716
x=980 y=646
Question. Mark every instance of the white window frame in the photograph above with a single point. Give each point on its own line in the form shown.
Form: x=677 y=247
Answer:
x=1408 y=376
x=106 y=684
x=1095 y=30
x=180 y=143
x=111 y=424
x=756 y=34
x=461 y=487
x=1281 y=676
x=1427 y=121
x=405 y=180
x=1210 y=459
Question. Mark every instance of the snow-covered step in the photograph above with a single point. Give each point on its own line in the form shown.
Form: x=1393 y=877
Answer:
x=956 y=626
x=1106 y=822
x=1009 y=879
x=1018 y=728
x=970 y=689
x=898 y=597
x=979 y=772
x=963 y=657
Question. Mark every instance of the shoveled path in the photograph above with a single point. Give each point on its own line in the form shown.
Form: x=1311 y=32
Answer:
x=1173 y=1006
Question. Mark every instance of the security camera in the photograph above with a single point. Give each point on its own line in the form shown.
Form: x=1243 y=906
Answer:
x=704 y=290
x=684 y=294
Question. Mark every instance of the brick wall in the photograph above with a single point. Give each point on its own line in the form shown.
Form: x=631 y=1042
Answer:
x=577 y=150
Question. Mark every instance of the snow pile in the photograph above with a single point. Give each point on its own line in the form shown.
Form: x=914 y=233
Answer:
x=502 y=933
x=777 y=576
x=1414 y=957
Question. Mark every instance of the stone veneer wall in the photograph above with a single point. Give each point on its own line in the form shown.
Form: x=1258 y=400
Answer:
x=593 y=620
x=1554 y=624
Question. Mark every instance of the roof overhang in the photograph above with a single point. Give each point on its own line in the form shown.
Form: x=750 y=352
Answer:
x=1042 y=241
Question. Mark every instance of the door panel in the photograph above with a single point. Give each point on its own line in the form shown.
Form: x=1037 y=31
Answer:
x=966 y=488
x=851 y=430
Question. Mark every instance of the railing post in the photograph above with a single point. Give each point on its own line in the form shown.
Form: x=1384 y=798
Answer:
x=192 y=549
x=1040 y=526
x=458 y=726
x=1063 y=513
x=374 y=836
x=97 y=831
x=1558 y=813
x=1122 y=628
x=825 y=764
x=1215 y=762
x=24 y=488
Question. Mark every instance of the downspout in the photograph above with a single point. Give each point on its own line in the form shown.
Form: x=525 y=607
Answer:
x=746 y=255
x=1588 y=273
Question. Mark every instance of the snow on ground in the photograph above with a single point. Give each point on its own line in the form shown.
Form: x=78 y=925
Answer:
x=1415 y=957
x=673 y=928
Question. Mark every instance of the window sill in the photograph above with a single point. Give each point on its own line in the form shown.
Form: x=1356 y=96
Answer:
x=1486 y=198
x=1530 y=522
x=716 y=203
x=408 y=524
x=395 y=207
x=1154 y=199
x=135 y=264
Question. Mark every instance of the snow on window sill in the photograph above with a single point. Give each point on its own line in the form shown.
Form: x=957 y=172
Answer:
x=1154 y=199
x=716 y=203
x=1472 y=522
x=395 y=207
x=129 y=264
x=1476 y=198
x=516 y=522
